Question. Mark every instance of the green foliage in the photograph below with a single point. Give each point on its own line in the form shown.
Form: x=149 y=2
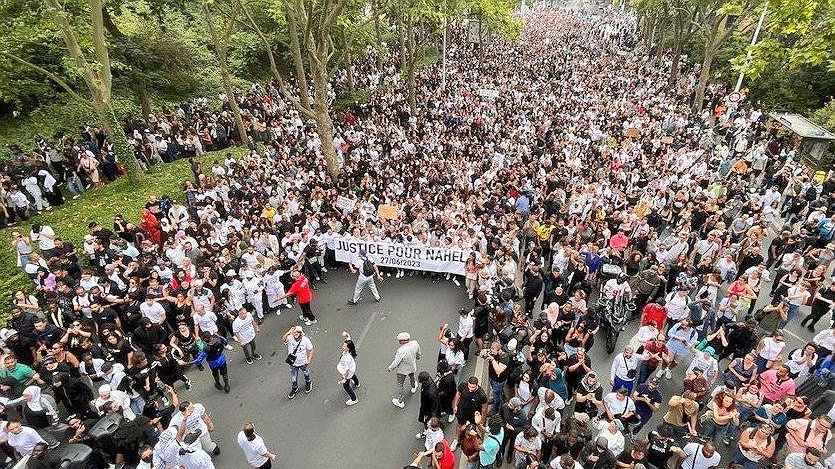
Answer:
x=825 y=116
x=796 y=34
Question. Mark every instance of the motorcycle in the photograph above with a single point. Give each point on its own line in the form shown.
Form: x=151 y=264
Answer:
x=616 y=312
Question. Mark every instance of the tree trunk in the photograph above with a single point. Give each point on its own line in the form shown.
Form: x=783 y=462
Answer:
x=349 y=69
x=324 y=125
x=411 y=66
x=220 y=43
x=402 y=43
x=704 y=77
x=659 y=53
x=144 y=99
x=233 y=103
x=298 y=62
x=116 y=134
x=380 y=46
x=673 y=78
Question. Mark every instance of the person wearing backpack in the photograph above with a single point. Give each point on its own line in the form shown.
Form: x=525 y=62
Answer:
x=366 y=270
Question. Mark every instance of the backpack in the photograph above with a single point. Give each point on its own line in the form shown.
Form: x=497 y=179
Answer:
x=367 y=268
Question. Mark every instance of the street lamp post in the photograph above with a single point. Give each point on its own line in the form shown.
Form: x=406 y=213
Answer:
x=753 y=42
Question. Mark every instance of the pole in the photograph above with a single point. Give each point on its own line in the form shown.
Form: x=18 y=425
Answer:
x=753 y=43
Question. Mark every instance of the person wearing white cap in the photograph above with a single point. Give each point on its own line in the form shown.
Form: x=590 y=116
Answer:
x=405 y=364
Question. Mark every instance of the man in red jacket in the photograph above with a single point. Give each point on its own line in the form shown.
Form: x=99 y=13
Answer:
x=302 y=291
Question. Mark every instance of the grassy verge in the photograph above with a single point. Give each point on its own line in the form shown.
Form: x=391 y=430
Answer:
x=70 y=220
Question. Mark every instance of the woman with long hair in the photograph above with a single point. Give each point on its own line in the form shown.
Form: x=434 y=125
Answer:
x=347 y=369
x=429 y=405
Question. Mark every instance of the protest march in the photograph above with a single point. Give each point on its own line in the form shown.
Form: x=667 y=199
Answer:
x=559 y=188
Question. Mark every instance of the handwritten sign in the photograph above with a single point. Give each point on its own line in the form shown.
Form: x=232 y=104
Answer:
x=345 y=204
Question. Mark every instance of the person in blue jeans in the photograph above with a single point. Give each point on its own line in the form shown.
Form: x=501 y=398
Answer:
x=648 y=400
x=497 y=369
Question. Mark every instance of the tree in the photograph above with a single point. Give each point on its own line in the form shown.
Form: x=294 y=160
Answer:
x=796 y=34
x=93 y=65
x=220 y=41
x=313 y=31
x=721 y=18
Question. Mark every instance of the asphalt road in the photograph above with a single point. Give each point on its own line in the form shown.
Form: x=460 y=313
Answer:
x=317 y=430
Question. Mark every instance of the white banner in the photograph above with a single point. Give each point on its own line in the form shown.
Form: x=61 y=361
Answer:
x=404 y=256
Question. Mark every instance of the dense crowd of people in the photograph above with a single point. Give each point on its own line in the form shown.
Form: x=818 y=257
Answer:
x=578 y=180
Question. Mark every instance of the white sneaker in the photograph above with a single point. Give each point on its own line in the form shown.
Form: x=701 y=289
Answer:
x=446 y=277
x=668 y=374
x=454 y=445
x=419 y=436
x=398 y=403
x=302 y=318
x=388 y=274
x=456 y=282
x=229 y=347
x=324 y=270
x=451 y=418
x=414 y=389
x=350 y=402
x=278 y=312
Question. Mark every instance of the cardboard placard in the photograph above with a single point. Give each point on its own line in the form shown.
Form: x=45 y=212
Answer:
x=387 y=211
x=632 y=132
x=667 y=139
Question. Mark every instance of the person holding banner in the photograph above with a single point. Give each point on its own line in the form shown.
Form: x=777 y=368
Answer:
x=366 y=270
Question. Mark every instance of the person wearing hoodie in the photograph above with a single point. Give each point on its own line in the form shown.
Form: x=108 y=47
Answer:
x=74 y=394
x=588 y=396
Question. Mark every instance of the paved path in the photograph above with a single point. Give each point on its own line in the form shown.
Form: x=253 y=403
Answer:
x=317 y=430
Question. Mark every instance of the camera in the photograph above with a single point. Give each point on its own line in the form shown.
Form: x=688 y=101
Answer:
x=484 y=354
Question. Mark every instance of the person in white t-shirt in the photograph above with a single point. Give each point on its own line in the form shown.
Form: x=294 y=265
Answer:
x=699 y=456
x=152 y=310
x=45 y=237
x=301 y=347
x=255 y=451
x=196 y=417
x=245 y=329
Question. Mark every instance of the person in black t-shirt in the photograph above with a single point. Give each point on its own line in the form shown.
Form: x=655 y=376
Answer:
x=481 y=320
x=469 y=399
x=570 y=443
x=647 y=401
x=588 y=395
x=822 y=304
x=637 y=454
x=497 y=365
x=659 y=449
